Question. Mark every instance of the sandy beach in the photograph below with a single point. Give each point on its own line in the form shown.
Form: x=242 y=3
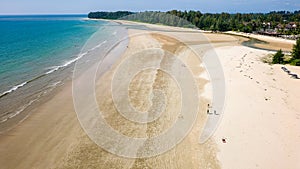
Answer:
x=261 y=118
x=259 y=127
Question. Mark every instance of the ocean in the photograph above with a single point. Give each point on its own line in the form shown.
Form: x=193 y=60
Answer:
x=38 y=53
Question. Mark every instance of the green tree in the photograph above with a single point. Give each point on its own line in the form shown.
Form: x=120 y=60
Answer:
x=296 y=50
x=278 y=58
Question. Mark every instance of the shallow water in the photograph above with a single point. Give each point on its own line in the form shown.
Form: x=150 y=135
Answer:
x=38 y=53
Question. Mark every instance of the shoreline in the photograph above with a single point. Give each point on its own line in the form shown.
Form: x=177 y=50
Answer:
x=62 y=72
x=50 y=126
x=19 y=118
x=30 y=75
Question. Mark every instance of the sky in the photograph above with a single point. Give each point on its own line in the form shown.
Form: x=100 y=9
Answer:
x=85 y=6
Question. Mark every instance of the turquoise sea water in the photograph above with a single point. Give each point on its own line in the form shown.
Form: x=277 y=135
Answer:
x=33 y=45
x=36 y=53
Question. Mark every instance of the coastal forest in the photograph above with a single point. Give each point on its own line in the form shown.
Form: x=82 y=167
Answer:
x=273 y=23
x=109 y=15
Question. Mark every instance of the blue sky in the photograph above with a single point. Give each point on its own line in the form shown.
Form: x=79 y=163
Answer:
x=84 y=6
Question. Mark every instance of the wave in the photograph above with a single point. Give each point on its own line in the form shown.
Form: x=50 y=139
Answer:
x=52 y=86
x=55 y=84
x=21 y=109
x=13 y=89
x=55 y=68
x=10 y=115
x=52 y=69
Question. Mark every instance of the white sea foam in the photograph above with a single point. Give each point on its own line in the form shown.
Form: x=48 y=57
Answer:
x=52 y=86
x=11 y=115
x=55 y=84
x=13 y=88
x=55 y=68
x=3 y=120
x=21 y=109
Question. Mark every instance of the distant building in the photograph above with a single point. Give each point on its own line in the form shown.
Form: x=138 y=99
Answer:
x=279 y=26
x=291 y=25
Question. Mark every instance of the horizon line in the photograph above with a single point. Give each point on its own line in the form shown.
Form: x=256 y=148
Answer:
x=30 y=14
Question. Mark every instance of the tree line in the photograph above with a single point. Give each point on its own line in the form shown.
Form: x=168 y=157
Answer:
x=284 y=22
x=294 y=59
x=248 y=22
x=108 y=15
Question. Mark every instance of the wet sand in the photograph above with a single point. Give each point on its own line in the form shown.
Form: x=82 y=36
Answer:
x=271 y=43
x=189 y=153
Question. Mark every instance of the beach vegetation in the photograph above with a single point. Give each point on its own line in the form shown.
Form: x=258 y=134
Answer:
x=294 y=58
x=278 y=58
x=296 y=50
x=295 y=62
x=267 y=58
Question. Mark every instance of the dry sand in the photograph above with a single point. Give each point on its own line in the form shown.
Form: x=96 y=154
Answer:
x=260 y=123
